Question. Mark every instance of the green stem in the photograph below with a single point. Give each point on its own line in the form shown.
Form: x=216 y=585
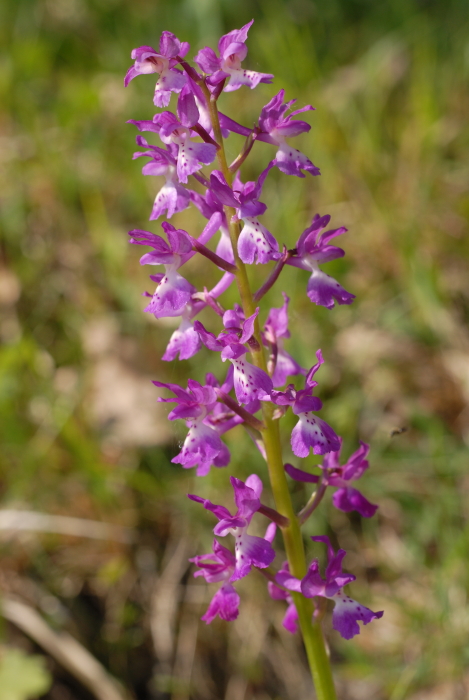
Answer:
x=312 y=633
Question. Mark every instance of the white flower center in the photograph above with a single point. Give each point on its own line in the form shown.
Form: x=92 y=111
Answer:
x=233 y=62
x=154 y=64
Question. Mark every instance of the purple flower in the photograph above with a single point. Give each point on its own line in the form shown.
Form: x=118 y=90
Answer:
x=233 y=51
x=347 y=498
x=172 y=197
x=290 y=620
x=347 y=612
x=221 y=418
x=147 y=60
x=208 y=206
x=250 y=382
x=313 y=248
x=249 y=550
x=276 y=329
x=218 y=566
x=202 y=446
x=310 y=431
x=173 y=292
x=224 y=603
x=275 y=127
x=185 y=341
x=205 y=120
x=191 y=155
x=255 y=241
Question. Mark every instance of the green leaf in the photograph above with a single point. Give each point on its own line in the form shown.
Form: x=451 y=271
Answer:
x=22 y=676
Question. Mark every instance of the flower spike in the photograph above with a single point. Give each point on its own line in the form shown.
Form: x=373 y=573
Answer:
x=192 y=135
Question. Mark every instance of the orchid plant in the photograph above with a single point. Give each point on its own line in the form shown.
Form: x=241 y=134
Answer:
x=254 y=393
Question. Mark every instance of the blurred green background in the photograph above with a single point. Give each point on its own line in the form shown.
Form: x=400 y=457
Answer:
x=81 y=432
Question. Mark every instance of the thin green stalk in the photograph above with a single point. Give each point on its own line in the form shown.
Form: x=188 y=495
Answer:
x=312 y=633
x=314 y=501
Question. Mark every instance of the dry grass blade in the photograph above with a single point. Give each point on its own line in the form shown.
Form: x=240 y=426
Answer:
x=164 y=603
x=186 y=647
x=63 y=525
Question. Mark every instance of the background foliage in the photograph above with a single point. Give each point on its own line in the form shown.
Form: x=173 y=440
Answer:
x=81 y=432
